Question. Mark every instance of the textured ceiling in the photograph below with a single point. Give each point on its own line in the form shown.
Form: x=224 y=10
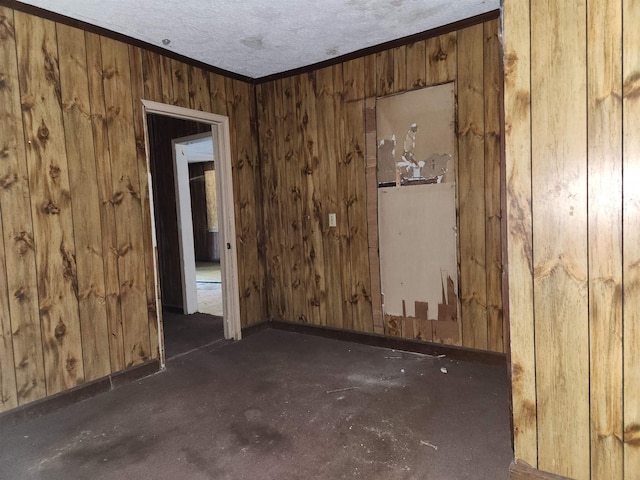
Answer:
x=257 y=38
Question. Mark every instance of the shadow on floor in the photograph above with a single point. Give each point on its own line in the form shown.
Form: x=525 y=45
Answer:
x=184 y=333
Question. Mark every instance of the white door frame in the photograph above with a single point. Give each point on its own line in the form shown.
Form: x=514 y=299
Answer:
x=227 y=227
x=185 y=221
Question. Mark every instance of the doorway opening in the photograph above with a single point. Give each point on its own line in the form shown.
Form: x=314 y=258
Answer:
x=197 y=192
x=172 y=200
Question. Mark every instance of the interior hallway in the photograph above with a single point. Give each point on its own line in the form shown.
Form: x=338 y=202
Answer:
x=209 y=284
x=278 y=405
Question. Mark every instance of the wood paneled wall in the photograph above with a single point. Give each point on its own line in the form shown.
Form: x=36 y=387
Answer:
x=318 y=147
x=76 y=258
x=572 y=103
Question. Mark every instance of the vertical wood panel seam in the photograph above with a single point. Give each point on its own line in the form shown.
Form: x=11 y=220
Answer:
x=72 y=233
x=28 y=186
x=533 y=283
x=10 y=339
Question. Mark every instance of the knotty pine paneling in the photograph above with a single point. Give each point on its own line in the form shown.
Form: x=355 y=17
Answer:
x=327 y=165
x=77 y=257
x=573 y=214
x=18 y=236
x=631 y=232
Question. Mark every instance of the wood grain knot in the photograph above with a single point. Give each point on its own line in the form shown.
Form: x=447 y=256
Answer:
x=349 y=158
x=8 y=180
x=116 y=198
x=24 y=241
x=315 y=302
x=132 y=191
x=108 y=73
x=632 y=435
x=305 y=119
x=307 y=170
x=3 y=81
x=122 y=251
x=6 y=29
x=21 y=294
x=510 y=63
x=246 y=293
x=51 y=208
x=60 y=331
x=43 y=132
x=296 y=283
x=71 y=365
x=54 y=172
x=631 y=86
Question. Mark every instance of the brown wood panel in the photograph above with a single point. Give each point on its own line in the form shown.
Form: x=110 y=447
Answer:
x=258 y=199
x=292 y=192
x=416 y=64
x=281 y=186
x=400 y=69
x=50 y=201
x=370 y=76
x=312 y=225
x=151 y=76
x=325 y=176
x=127 y=200
x=8 y=389
x=244 y=177
x=17 y=228
x=166 y=79
x=471 y=192
x=441 y=54
x=353 y=79
x=371 y=179
x=559 y=192
x=492 y=167
x=199 y=98
x=137 y=94
x=217 y=94
x=384 y=73
x=605 y=236
x=107 y=201
x=517 y=78
x=342 y=198
x=356 y=195
x=180 y=80
x=86 y=213
x=631 y=229
x=273 y=275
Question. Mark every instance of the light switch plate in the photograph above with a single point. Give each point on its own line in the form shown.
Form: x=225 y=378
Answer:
x=332 y=219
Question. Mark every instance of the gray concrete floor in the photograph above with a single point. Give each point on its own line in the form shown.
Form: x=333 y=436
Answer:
x=278 y=405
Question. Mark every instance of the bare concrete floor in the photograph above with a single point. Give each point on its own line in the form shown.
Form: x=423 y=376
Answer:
x=278 y=405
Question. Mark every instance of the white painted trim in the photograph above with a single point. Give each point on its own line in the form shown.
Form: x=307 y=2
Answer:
x=228 y=258
x=185 y=226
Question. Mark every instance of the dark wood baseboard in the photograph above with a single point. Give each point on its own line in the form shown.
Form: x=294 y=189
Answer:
x=520 y=470
x=452 y=352
x=255 y=328
x=82 y=392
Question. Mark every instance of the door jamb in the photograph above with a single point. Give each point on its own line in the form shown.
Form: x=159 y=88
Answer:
x=222 y=151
